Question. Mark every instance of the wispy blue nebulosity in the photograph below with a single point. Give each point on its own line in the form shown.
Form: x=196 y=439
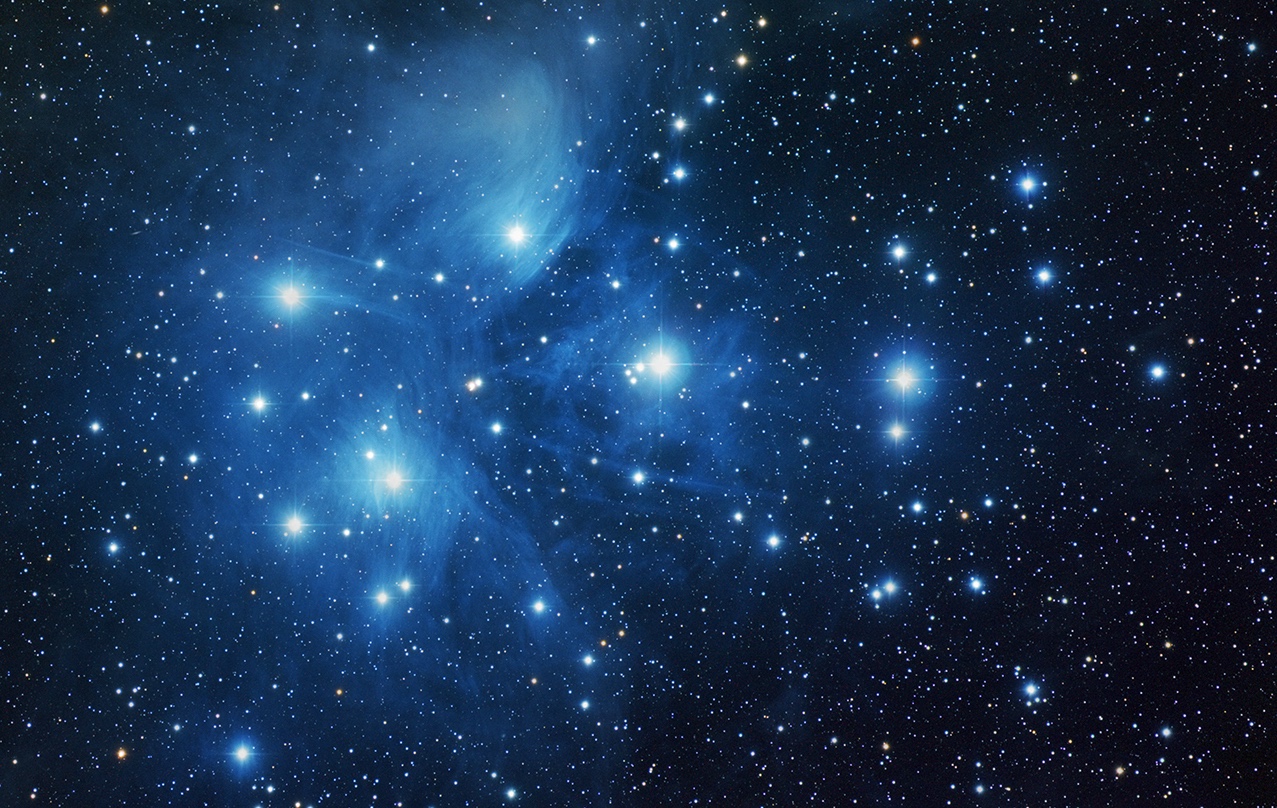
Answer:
x=641 y=403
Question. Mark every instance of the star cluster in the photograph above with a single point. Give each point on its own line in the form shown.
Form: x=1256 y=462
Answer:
x=510 y=403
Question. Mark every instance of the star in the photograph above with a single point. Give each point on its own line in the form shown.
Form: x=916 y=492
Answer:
x=516 y=234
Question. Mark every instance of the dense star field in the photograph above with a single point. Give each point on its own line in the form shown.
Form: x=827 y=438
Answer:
x=511 y=403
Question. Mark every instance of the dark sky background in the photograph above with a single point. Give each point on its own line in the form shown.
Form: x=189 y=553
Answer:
x=514 y=403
